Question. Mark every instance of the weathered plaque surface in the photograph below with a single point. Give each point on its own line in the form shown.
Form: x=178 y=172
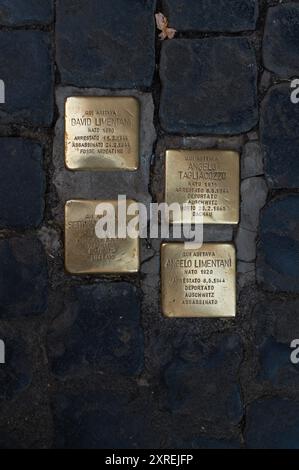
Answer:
x=198 y=282
x=85 y=253
x=207 y=177
x=102 y=133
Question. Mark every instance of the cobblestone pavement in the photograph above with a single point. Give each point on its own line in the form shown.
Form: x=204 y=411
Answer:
x=91 y=362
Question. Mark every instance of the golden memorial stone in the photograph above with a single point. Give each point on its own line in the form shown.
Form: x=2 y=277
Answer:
x=207 y=177
x=198 y=282
x=85 y=253
x=102 y=133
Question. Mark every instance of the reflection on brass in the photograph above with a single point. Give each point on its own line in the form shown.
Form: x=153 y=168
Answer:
x=102 y=133
x=85 y=253
x=207 y=177
x=198 y=282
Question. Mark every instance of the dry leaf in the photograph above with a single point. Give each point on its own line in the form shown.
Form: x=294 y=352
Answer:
x=162 y=25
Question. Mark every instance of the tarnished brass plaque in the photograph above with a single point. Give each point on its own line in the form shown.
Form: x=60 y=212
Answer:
x=198 y=282
x=85 y=253
x=207 y=177
x=102 y=133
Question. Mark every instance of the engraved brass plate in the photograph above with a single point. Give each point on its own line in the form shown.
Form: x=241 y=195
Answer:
x=85 y=253
x=198 y=282
x=102 y=133
x=207 y=177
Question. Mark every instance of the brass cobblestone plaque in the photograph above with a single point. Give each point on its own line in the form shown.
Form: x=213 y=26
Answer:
x=208 y=177
x=198 y=282
x=102 y=133
x=85 y=253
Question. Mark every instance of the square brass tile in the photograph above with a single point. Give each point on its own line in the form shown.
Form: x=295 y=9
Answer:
x=85 y=253
x=102 y=133
x=209 y=177
x=198 y=282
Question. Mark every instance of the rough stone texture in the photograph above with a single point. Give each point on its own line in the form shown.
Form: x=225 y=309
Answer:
x=22 y=183
x=280 y=137
x=206 y=443
x=272 y=423
x=208 y=15
x=246 y=245
x=99 y=329
x=23 y=12
x=16 y=374
x=246 y=274
x=103 y=185
x=102 y=420
x=253 y=198
x=281 y=40
x=278 y=249
x=23 y=278
x=252 y=160
x=199 y=83
x=276 y=326
x=197 y=373
x=106 y=44
x=27 y=71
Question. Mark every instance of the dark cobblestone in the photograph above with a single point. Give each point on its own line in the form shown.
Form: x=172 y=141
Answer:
x=16 y=374
x=22 y=184
x=24 y=279
x=208 y=15
x=272 y=424
x=208 y=443
x=197 y=373
x=199 y=83
x=280 y=138
x=106 y=44
x=281 y=40
x=24 y=12
x=276 y=326
x=27 y=71
x=99 y=328
x=102 y=420
x=278 y=248
x=8 y=442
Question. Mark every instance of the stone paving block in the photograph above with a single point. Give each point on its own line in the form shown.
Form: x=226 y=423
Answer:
x=98 y=329
x=280 y=137
x=8 y=441
x=278 y=248
x=208 y=15
x=23 y=277
x=200 y=80
x=246 y=245
x=103 y=185
x=254 y=193
x=246 y=274
x=16 y=373
x=27 y=70
x=102 y=420
x=26 y=12
x=276 y=325
x=281 y=40
x=205 y=443
x=197 y=373
x=272 y=423
x=106 y=44
x=252 y=160
x=22 y=183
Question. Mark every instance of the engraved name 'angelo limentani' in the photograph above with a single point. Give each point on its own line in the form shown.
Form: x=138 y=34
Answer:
x=199 y=282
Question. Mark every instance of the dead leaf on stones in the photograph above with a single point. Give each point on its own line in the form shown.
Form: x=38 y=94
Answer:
x=162 y=25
